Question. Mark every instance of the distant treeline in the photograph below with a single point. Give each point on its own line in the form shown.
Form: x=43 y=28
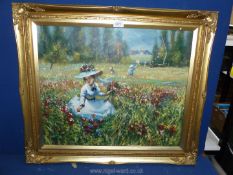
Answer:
x=79 y=46
x=56 y=45
x=173 y=48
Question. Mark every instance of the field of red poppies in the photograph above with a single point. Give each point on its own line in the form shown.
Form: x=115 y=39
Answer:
x=148 y=113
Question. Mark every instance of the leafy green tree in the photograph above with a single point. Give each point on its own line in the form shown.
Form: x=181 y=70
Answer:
x=121 y=47
x=44 y=43
x=108 y=44
x=172 y=39
x=159 y=53
x=95 y=44
x=179 y=49
x=171 y=50
x=164 y=38
x=165 y=46
x=57 y=52
x=174 y=48
x=125 y=49
x=155 y=52
x=73 y=39
x=59 y=36
x=188 y=47
x=79 y=48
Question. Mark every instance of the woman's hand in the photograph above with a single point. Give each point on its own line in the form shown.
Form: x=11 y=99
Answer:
x=79 y=108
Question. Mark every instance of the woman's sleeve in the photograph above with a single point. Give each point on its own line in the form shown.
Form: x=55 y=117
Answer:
x=99 y=92
x=82 y=96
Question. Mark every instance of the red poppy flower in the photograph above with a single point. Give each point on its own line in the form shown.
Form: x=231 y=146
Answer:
x=172 y=129
x=88 y=129
x=161 y=127
x=95 y=124
x=69 y=115
x=70 y=121
x=64 y=109
x=83 y=119
x=46 y=114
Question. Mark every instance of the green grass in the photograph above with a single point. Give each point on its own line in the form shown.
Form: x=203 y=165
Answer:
x=149 y=106
x=141 y=57
x=143 y=74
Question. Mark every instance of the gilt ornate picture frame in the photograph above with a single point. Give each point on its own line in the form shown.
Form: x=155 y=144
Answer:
x=112 y=84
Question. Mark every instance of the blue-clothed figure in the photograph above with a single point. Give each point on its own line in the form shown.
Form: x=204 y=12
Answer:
x=132 y=69
x=92 y=103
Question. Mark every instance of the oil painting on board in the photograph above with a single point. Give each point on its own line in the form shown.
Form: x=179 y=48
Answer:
x=103 y=86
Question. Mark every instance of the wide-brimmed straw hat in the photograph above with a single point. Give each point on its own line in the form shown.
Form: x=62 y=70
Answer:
x=87 y=70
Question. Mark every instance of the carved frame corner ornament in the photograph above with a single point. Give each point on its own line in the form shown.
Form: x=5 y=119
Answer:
x=203 y=24
x=189 y=158
x=22 y=10
x=32 y=155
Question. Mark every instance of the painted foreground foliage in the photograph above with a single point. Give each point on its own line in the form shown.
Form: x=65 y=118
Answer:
x=149 y=107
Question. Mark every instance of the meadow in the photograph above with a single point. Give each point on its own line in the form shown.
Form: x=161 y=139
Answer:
x=149 y=106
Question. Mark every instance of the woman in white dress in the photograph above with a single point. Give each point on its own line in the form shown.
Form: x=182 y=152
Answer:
x=92 y=103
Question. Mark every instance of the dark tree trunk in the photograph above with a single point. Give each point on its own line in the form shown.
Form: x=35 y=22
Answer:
x=51 y=66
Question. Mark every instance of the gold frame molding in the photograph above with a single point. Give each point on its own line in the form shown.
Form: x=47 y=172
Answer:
x=203 y=24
